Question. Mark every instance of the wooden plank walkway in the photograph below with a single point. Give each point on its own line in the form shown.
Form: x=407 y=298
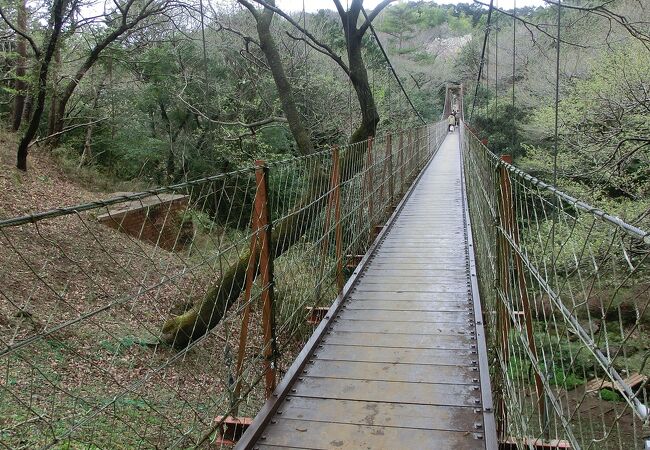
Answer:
x=403 y=364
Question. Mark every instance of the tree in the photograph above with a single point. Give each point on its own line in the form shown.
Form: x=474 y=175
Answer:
x=207 y=313
x=126 y=17
x=21 y=49
x=61 y=9
x=274 y=61
x=122 y=21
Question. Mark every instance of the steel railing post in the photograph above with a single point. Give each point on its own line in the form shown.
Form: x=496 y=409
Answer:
x=338 y=232
x=503 y=284
x=513 y=232
x=251 y=272
x=400 y=149
x=266 y=273
x=389 y=162
x=369 y=182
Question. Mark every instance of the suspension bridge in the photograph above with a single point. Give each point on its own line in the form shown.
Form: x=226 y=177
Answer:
x=410 y=291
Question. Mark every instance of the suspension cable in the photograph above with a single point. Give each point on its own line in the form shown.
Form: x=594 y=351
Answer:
x=514 y=62
x=496 y=68
x=390 y=65
x=480 y=67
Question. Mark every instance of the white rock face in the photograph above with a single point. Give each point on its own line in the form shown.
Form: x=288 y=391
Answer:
x=447 y=47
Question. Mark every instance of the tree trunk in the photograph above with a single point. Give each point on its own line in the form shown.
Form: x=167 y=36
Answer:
x=52 y=119
x=359 y=78
x=87 y=154
x=29 y=105
x=181 y=330
x=21 y=48
x=274 y=60
x=56 y=22
x=170 y=152
x=196 y=322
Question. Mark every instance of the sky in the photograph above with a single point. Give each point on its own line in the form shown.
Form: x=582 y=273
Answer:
x=315 y=5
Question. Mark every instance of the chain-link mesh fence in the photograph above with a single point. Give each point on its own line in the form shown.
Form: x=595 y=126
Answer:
x=144 y=320
x=566 y=289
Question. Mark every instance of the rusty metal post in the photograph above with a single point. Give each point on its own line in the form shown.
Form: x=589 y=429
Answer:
x=370 y=181
x=389 y=162
x=338 y=232
x=513 y=231
x=400 y=149
x=261 y=208
x=251 y=272
x=503 y=273
x=410 y=157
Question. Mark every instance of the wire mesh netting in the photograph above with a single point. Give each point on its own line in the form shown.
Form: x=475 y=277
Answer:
x=142 y=321
x=566 y=289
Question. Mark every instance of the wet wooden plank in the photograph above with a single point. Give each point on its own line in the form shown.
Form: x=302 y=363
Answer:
x=452 y=418
x=320 y=435
x=412 y=295
x=409 y=373
x=404 y=287
x=410 y=278
x=370 y=304
x=455 y=328
x=388 y=391
x=416 y=341
x=453 y=316
x=466 y=357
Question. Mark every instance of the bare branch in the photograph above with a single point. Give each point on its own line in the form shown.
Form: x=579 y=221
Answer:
x=373 y=14
x=22 y=33
x=65 y=130
x=602 y=11
x=327 y=50
x=530 y=24
x=250 y=7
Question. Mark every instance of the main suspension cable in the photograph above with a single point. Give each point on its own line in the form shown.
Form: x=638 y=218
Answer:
x=390 y=65
x=480 y=67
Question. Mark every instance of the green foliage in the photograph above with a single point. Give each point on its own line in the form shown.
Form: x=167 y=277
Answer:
x=500 y=125
x=604 y=151
x=610 y=396
x=568 y=381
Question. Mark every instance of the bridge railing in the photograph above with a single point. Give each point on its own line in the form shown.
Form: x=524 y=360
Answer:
x=235 y=266
x=566 y=293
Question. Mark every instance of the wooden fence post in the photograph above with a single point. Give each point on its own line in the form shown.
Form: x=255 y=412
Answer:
x=251 y=272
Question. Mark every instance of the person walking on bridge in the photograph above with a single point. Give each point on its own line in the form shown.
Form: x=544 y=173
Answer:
x=452 y=122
